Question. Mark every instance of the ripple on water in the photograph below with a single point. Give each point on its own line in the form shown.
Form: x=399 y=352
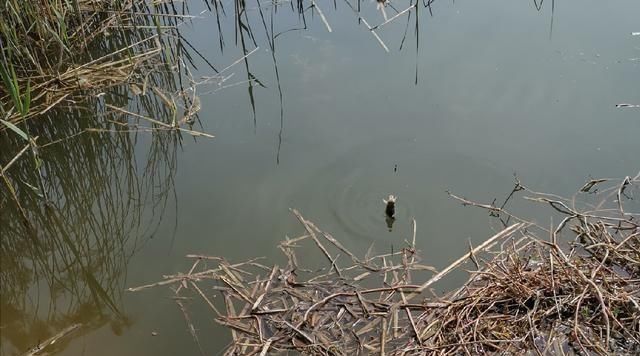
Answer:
x=345 y=195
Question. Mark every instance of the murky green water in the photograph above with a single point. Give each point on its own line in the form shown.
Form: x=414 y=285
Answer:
x=501 y=88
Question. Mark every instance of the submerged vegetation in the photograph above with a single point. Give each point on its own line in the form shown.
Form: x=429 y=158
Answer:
x=570 y=288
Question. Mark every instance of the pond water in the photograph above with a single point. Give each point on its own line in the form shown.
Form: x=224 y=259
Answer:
x=485 y=90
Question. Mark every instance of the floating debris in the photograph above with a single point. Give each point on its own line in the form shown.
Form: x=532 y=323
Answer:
x=40 y=348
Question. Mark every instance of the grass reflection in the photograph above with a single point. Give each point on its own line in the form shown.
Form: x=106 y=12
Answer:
x=90 y=185
x=69 y=262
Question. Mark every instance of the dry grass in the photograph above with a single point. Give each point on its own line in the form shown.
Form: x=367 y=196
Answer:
x=60 y=53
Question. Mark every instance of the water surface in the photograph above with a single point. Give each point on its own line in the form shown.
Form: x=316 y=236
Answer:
x=488 y=89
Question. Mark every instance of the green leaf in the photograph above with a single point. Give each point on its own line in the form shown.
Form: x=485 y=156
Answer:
x=7 y=78
x=16 y=129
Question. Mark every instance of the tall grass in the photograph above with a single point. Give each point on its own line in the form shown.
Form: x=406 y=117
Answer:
x=64 y=59
x=60 y=52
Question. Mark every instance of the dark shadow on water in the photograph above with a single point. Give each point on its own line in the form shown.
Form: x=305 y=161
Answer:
x=538 y=4
x=553 y=7
x=389 y=221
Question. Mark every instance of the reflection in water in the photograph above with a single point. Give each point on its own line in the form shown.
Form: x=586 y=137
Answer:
x=390 y=211
x=86 y=219
x=68 y=263
x=553 y=7
x=245 y=32
x=389 y=220
x=373 y=16
x=271 y=38
x=538 y=5
x=74 y=214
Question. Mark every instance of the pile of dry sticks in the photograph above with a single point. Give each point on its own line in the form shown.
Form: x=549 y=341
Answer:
x=571 y=289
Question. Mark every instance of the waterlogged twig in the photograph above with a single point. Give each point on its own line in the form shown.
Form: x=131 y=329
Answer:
x=6 y=167
x=315 y=239
x=191 y=327
x=52 y=340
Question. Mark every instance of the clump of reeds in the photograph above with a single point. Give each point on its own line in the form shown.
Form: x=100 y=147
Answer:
x=530 y=293
x=78 y=80
x=63 y=52
x=108 y=68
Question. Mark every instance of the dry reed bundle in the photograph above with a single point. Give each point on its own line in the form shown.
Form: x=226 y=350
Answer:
x=529 y=294
x=539 y=298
